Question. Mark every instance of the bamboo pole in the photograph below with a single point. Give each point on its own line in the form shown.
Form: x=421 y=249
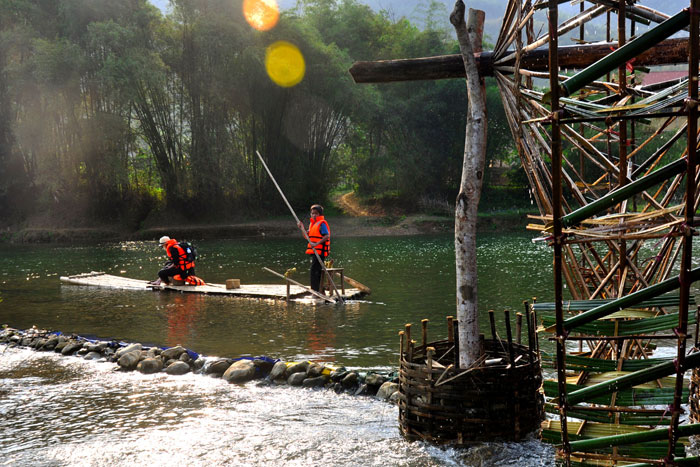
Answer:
x=624 y=192
x=622 y=55
x=630 y=300
x=632 y=379
x=312 y=292
x=306 y=236
x=632 y=438
x=556 y=214
x=685 y=276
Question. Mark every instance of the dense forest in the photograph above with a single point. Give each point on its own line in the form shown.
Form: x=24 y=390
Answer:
x=113 y=111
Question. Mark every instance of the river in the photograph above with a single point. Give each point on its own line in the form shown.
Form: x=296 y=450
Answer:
x=63 y=410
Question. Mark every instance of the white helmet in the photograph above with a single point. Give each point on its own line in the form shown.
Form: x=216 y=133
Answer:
x=163 y=239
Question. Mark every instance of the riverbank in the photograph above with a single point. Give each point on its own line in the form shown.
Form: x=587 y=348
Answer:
x=342 y=226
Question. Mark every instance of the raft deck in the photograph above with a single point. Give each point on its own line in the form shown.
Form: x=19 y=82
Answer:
x=269 y=291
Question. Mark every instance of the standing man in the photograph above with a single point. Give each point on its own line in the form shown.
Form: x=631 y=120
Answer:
x=320 y=241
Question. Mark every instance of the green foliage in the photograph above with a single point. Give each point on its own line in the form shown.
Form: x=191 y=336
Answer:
x=115 y=110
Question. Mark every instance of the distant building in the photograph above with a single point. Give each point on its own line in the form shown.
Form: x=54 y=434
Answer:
x=661 y=76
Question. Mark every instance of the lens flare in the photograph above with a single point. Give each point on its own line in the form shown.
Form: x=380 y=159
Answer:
x=261 y=14
x=284 y=64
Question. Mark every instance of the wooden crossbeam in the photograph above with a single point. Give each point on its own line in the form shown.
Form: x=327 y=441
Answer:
x=668 y=52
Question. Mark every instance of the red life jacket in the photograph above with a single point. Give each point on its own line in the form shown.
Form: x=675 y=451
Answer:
x=178 y=256
x=323 y=249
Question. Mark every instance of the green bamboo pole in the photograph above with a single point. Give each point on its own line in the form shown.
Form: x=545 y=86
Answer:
x=632 y=438
x=628 y=301
x=624 y=192
x=632 y=379
x=622 y=55
x=694 y=460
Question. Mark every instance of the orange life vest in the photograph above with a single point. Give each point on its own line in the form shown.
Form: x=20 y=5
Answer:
x=178 y=256
x=323 y=249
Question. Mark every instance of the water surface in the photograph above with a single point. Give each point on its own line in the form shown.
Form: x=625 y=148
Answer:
x=63 y=410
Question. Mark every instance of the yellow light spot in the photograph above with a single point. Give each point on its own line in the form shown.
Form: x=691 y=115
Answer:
x=285 y=64
x=261 y=14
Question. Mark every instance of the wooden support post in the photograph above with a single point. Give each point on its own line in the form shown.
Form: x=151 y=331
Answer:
x=450 y=329
x=509 y=336
x=407 y=329
x=424 y=326
x=401 y=346
x=492 y=322
x=518 y=327
x=530 y=331
x=455 y=327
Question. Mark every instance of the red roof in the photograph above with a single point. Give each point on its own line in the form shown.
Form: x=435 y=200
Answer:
x=661 y=76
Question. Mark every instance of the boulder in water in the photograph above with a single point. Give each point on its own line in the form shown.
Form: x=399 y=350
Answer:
x=241 y=371
x=174 y=352
x=177 y=368
x=150 y=365
x=278 y=371
x=296 y=379
x=129 y=348
x=297 y=368
x=386 y=390
x=315 y=382
x=129 y=360
x=217 y=367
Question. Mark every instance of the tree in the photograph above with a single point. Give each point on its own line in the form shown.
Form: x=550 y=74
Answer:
x=470 y=187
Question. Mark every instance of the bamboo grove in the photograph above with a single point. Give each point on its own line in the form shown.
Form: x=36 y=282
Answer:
x=113 y=109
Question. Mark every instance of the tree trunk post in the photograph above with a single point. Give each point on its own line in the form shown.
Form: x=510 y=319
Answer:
x=469 y=34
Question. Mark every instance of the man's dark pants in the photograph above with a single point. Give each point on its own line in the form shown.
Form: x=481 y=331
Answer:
x=316 y=272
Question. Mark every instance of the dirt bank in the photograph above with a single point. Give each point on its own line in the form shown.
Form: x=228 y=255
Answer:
x=343 y=226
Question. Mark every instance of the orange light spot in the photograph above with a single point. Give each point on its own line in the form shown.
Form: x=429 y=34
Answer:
x=261 y=14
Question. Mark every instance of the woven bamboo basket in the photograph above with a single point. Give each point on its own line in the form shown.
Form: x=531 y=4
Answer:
x=491 y=402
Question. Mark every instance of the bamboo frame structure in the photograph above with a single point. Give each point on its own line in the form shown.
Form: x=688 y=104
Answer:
x=611 y=165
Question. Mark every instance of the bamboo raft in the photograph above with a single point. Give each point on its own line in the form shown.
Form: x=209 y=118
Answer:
x=263 y=291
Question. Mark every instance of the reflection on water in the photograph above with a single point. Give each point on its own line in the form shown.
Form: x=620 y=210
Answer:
x=61 y=411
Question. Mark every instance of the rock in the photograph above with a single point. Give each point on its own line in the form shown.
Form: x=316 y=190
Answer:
x=129 y=348
x=217 y=367
x=92 y=356
x=168 y=362
x=395 y=397
x=278 y=371
x=177 y=368
x=338 y=375
x=315 y=370
x=150 y=365
x=297 y=368
x=185 y=357
x=25 y=342
x=60 y=345
x=386 y=390
x=129 y=360
x=296 y=379
x=174 y=352
x=198 y=364
x=241 y=371
x=374 y=379
x=39 y=343
x=263 y=366
x=350 y=380
x=50 y=343
x=362 y=390
x=315 y=382
x=97 y=347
